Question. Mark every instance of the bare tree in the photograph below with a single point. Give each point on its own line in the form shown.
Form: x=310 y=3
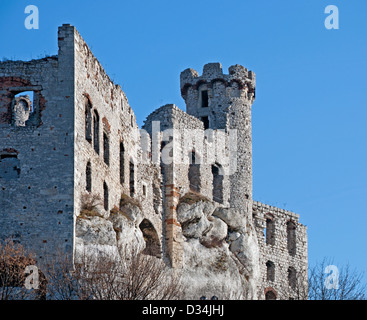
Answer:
x=13 y=262
x=127 y=275
x=329 y=282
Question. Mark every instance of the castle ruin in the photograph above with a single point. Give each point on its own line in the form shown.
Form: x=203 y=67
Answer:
x=184 y=180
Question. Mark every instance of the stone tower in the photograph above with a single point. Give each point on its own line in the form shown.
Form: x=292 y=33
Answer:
x=224 y=102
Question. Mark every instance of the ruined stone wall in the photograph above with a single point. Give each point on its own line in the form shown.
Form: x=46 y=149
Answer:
x=37 y=157
x=80 y=138
x=175 y=136
x=283 y=254
x=130 y=173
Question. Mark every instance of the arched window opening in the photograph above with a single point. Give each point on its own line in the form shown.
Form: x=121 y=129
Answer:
x=291 y=237
x=105 y=196
x=22 y=107
x=270 y=294
x=292 y=277
x=217 y=172
x=132 y=179
x=106 y=148
x=152 y=244
x=88 y=121
x=122 y=163
x=96 y=131
x=88 y=173
x=270 y=231
x=194 y=172
x=270 y=271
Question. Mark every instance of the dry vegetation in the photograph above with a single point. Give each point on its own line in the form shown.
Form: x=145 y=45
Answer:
x=192 y=197
x=13 y=262
x=89 y=204
x=125 y=200
x=129 y=275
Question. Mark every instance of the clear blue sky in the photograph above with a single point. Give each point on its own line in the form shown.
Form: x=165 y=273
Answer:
x=309 y=117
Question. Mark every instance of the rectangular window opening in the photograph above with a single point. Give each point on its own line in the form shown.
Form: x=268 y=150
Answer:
x=206 y=122
x=204 y=99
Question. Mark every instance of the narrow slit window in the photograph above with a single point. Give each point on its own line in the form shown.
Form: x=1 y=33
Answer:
x=132 y=179
x=105 y=196
x=122 y=163
x=88 y=121
x=204 y=99
x=106 y=148
x=96 y=131
x=88 y=173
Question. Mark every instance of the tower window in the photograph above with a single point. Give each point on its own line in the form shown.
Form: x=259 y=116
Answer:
x=206 y=122
x=204 y=99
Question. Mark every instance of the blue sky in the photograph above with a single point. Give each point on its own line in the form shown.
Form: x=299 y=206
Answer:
x=309 y=117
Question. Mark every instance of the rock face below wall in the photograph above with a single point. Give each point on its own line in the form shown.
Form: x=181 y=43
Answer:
x=220 y=251
x=219 y=246
x=96 y=233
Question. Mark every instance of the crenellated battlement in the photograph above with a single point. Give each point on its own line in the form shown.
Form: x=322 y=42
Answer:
x=213 y=72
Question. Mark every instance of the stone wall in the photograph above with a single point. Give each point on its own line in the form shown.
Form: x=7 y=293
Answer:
x=36 y=196
x=283 y=254
x=129 y=173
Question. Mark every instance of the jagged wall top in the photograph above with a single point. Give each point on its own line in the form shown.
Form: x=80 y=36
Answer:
x=213 y=72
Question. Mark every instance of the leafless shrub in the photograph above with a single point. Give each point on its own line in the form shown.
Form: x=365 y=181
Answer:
x=13 y=262
x=129 y=275
x=89 y=205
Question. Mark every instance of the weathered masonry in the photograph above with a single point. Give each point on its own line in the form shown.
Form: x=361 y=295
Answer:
x=68 y=137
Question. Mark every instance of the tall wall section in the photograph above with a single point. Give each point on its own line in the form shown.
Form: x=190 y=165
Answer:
x=37 y=153
x=109 y=159
x=283 y=253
